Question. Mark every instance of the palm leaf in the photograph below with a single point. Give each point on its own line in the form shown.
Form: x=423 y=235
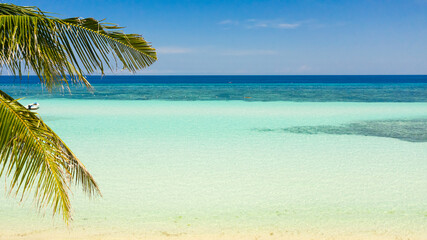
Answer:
x=58 y=51
x=36 y=158
x=62 y=50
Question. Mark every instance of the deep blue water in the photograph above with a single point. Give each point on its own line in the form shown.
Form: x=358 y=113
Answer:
x=237 y=79
x=385 y=88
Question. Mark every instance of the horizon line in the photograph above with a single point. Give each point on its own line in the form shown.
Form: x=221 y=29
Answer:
x=155 y=75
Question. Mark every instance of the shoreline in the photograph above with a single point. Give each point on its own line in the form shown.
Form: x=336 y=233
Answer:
x=180 y=234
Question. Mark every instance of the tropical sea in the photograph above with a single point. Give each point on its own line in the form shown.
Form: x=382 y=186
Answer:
x=236 y=157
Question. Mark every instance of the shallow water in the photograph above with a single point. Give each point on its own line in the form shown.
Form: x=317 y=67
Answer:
x=285 y=161
x=200 y=167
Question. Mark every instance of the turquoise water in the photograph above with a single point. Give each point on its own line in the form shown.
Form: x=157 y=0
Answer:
x=250 y=92
x=193 y=167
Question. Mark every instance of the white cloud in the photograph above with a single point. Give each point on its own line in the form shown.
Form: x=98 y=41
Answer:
x=254 y=23
x=288 y=25
x=173 y=50
x=229 y=22
x=259 y=23
x=212 y=51
x=303 y=69
x=262 y=25
x=248 y=52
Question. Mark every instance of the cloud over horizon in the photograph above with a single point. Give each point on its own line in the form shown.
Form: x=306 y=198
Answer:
x=173 y=50
x=258 y=23
x=248 y=52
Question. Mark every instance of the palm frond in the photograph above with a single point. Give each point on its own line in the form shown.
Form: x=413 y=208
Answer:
x=58 y=51
x=63 y=50
x=35 y=158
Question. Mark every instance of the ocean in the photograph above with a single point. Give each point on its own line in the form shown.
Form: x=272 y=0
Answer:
x=236 y=157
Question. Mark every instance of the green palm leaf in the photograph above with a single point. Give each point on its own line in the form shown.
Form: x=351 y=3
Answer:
x=58 y=51
x=35 y=157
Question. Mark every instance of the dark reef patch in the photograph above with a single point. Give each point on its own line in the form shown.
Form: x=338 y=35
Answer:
x=406 y=130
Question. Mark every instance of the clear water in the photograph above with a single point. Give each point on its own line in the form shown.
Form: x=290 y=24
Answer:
x=321 y=168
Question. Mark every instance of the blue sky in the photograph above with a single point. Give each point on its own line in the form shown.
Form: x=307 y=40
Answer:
x=269 y=37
